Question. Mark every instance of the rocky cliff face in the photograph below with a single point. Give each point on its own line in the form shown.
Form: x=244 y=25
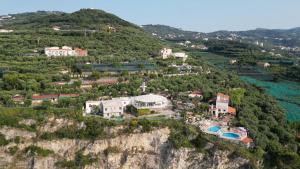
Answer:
x=140 y=150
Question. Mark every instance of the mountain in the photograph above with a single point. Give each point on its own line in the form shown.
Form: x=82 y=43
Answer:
x=99 y=32
x=167 y=32
x=273 y=37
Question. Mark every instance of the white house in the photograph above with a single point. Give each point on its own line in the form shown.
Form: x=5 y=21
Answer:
x=116 y=106
x=5 y=31
x=90 y=106
x=166 y=53
x=64 y=51
x=111 y=108
x=222 y=106
x=150 y=101
x=180 y=55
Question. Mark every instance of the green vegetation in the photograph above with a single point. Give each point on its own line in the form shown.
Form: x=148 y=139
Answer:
x=274 y=137
x=3 y=141
x=80 y=161
x=37 y=151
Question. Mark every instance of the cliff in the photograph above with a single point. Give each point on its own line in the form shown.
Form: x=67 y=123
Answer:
x=138 y=150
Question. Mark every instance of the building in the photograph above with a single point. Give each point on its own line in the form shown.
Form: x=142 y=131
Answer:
x=166 y=53
x=233 y=61
x=65 y=51
x=116 y=106
x=5 y=31
x=264 y=64
x=221 y=106
x=150 y=101
x=56 y=28
x=39 y=99
x=196 y=94
x=111 y=108
x=18 y=99
x=180 y=55
x=53 y=98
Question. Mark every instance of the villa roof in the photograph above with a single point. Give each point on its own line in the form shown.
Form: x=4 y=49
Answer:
x=150 y=98
x=69 y=95
x=112 y=103
x=52 y=96
x=222 y=98
x=247 y=140
x=197 y=92
x=231 y=110
x=42 y=97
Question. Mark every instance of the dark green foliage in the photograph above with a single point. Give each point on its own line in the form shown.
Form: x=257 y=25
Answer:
x=3 y=141
x=37 y=151
x=13 y=150
x=79 y=162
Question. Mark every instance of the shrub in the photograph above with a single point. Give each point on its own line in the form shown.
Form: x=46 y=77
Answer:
x=37 y=151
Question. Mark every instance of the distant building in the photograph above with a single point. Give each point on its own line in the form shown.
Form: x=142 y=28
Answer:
x=65 y=51
x=53 y=98
x=196 y=94
x=222 y=106
x=18 y=99
x=180 y=55
x=263 y=64
x=233 y=61
x=5 y=31
x=116 y=106
x=56 y=28
x=166 y=53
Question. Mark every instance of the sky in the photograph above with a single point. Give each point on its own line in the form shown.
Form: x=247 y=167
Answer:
x=196 y=15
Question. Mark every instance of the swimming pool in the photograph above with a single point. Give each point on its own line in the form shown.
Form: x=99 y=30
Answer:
x=230 y=136
x=214 y=129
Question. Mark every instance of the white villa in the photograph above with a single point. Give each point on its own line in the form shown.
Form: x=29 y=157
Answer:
x=150 y=101
x=5 y=31
x=166 y=53
x=111 y=108
x=222 y=106
x=116 y=106
x=181 y=55
x=65 y=51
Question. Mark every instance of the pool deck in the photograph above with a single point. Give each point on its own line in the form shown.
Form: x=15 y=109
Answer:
x=205 y=125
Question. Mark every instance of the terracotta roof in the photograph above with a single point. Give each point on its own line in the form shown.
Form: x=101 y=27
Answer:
x=222 y=98
x=68 y=95
x=52 y=96
x=231 y=110
x=18 y=98
x=42 y=97
x=197 y=92
x=247 y=140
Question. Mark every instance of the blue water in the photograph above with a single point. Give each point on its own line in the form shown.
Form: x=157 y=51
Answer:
x=214 y=129
x=285 y=92
x=230 y=135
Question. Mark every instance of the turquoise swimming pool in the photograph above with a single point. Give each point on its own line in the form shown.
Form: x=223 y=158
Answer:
x=214 y=129
x=230 y=135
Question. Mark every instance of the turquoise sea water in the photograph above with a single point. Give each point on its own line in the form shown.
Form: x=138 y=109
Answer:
x=285 y=92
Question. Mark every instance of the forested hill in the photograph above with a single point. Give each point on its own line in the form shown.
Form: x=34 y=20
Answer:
x=84 y=18
x=99 y=32
x=284 y=37
x=168 y=32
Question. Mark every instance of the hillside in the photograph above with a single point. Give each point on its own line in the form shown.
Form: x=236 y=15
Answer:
x=99 y=32
x=275 y=37
x=44 y=100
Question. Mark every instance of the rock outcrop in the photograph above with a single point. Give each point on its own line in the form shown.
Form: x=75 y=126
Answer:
x=132 y=151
